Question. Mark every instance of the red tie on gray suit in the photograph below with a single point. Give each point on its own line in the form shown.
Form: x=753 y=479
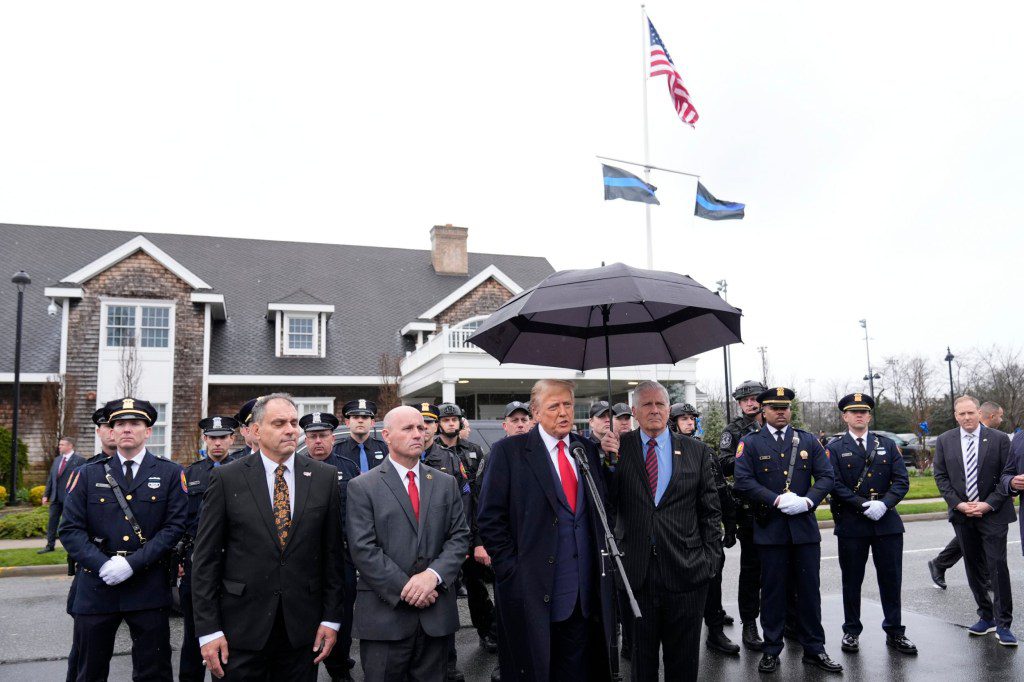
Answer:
x=414 y=494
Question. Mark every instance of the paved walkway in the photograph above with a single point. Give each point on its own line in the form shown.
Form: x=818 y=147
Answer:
x=38 y=543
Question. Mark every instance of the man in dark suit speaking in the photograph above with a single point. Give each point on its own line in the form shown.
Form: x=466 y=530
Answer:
x=408 y=537
x=969 y=462
x=267 y=566
x=669 y=527
x=538 y=522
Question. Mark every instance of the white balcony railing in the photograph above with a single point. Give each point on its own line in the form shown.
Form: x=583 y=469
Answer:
x=444 y=342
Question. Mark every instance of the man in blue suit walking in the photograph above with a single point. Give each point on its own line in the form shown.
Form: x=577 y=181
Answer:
x=56 y=483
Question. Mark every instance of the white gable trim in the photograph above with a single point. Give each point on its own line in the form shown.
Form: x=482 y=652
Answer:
x=301 y=308
x=63 y=292
x=216 y=302
x=139 y=243
x=418 y=326
x=478 y=279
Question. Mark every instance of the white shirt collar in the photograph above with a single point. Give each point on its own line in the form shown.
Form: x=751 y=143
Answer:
x=271 y=466
x=550 y=442
x=964 y=434
x=774 y=431
x=137 y=459
x=854 y=436
x=403 y=472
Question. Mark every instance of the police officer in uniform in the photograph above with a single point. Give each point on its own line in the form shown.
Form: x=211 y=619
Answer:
x=749 y=420
x=218 y=432
x=319 y=429
x=123 y=567
x=683 y=420
x=429 y=412
x=786 y=474
x=871 y=479
x=360 y=446
x=244 y=419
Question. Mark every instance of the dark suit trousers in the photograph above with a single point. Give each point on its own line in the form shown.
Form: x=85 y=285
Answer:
x=796 y=565
x=714 y=614
x=984 y=546
x=190 y=664
x=951 y=554
x=577 y=647
x=750 y=575
x=151 y=644
x=340 y=662
x=420 y=658
x=481 y=609
x=277 y=661
x=671 y=621
x=887 y=553
x=56 y=509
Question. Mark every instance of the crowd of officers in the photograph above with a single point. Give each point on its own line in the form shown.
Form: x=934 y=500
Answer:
x=138 y=517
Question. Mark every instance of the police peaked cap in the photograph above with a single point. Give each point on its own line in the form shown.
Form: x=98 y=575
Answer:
x=218 y=426
x=856 y=401
x=428 y=410
x=124 y=409
x=99 y=417
x=359 y=408
x=780 y=395
x=244 y=415
x=318 y=421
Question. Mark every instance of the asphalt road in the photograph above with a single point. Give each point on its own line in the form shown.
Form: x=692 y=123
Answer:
x=35 y=631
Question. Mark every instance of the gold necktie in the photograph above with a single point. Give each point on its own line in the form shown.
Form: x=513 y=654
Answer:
x=282 y=510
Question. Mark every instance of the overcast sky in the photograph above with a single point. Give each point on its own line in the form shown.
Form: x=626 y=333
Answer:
x=878 y=147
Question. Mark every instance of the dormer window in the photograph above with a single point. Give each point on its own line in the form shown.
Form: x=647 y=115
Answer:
x=300 y=330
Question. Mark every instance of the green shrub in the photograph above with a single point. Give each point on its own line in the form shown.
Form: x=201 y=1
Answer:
x=5 y=458
x=3 y=496
x=27 y=524
x=35 y=495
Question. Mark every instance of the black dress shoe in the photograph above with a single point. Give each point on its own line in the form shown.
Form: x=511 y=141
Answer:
x=938 y=575
x=769 y=663
x=44 y=550
x=751 y=637
x=823 y=662
x=489 y=643
x=727 y=620
x=850 y=643
x=901 y=644
x=717 y=641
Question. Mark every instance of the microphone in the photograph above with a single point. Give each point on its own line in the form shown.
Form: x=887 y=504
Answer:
x=579 y=453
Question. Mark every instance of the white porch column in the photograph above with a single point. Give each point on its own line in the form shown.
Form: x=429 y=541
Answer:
x=448 y=391
x=690 y=392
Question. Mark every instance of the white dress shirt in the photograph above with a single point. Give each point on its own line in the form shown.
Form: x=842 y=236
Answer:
x=551 y=443
x=863 y=439
x=403 y=474
x=775 y=432
x=270 y=467
x=137 y=459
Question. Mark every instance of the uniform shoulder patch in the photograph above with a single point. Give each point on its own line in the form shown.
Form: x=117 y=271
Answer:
x=72 y=481
x=184 y=483
x=726 y=440
x=739 y=450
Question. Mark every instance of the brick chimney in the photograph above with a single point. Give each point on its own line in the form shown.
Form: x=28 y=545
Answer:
x=448 y=249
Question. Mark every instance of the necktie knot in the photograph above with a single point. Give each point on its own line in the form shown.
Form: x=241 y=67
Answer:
x=860 y=442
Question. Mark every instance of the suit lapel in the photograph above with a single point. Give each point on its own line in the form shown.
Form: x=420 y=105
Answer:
x=390 y=477
x=537 y=459
x=675 y=444
x=982 y=446
x=256 y=478
x=426 y=483
x=303 y=481
x=773 y=442
x=633 y=443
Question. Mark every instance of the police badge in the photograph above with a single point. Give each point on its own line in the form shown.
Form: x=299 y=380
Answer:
x=726 y=440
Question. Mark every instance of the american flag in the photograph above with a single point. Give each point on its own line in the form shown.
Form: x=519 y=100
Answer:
x=661 y=65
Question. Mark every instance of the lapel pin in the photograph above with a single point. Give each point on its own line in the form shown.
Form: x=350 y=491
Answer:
x=678 y=452
x=306 y=473
x=430 y=476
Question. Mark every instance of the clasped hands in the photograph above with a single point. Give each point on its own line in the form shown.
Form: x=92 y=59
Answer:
x=116 y=570
x=974 y=509
x=421 y=590
x=874 y=509
x=792 y=504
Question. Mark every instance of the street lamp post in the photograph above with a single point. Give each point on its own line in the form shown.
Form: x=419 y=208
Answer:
x=952 y=398
x=20 y=280
x=723 y=291
x=867 y=347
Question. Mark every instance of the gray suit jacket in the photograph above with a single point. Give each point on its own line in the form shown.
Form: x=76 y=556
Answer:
x=388 y=546
x=951 y=478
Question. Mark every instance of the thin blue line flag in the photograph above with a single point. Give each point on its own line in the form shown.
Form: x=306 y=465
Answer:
x=618 y=184
x=710 y=208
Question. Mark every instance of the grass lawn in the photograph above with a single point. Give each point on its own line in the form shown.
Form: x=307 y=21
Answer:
x=27 y=557
x=922 y=487
x=904 y=509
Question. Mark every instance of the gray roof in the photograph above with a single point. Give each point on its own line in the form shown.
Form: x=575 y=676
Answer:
x=375 y=291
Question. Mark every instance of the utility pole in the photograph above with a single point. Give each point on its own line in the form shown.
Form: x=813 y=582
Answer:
x=723 y=291
x=763 y=350
x=867 y=347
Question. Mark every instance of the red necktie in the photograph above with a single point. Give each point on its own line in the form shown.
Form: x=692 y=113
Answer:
x=568 y=477
x=651 y=463
x=63 y=463
x=414 y=494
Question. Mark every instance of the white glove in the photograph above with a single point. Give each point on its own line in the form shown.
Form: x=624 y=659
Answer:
x=799 y=505
x=116 y=570
x=786 y=499
x=875 y=509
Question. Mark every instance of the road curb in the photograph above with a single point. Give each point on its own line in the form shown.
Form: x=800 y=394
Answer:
x=19 y=571
x=907 y=518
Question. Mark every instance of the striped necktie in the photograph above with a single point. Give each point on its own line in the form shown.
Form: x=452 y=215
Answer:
x=972 y=469
x=651 y=463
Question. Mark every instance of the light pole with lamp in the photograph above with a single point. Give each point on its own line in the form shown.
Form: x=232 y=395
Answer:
x=871 y=376
x=952 y=397
x=723 y=291
x=20 y=280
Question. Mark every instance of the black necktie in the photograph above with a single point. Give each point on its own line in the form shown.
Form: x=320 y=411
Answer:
x=860 y=443
x=128 y=471
x=778 y=436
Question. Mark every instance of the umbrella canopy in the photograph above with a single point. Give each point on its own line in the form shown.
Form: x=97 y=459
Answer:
x=642 y=317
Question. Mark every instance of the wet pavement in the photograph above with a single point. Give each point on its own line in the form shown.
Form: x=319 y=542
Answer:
x=35 y=631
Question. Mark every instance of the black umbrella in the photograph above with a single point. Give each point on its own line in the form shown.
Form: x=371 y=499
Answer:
x=610 y=316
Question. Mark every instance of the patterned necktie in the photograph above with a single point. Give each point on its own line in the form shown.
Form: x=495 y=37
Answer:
x=651 y=462
x=282 y=509
x=364 y=465
x=128 y=476
x=414 y=494
x=568 y=476
x=972 y=470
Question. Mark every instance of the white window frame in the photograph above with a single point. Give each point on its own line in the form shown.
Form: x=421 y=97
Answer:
x=138 y=304
x=286 y=348
x=166 y=445
x=304 y=402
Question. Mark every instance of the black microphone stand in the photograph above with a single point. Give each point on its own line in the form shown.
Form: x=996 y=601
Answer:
x=610 y=551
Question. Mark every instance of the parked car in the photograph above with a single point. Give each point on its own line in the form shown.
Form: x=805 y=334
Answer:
x=915 y=454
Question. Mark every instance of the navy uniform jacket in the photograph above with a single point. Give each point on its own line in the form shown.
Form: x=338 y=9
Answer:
x=887 y=479
x=347 y=470
x=376 y=450
x=197 y=478
x=241 y=452
x=157 y=496
x=761 y=468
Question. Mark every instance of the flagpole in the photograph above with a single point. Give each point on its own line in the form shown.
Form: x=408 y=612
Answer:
x=647 y=147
